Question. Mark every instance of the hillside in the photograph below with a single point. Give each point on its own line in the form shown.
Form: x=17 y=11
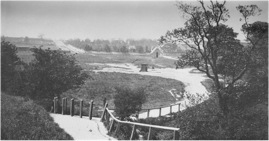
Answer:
x=22 y=119
x=25 y=44
x=202 y=122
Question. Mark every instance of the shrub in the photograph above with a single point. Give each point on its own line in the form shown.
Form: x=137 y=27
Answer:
x=53 y=72
x=9 y=64
x=21 y=119
x=128 y=101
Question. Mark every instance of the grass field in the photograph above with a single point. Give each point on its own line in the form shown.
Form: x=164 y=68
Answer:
x=136 y=59
x=21 y=119
x=103 y=86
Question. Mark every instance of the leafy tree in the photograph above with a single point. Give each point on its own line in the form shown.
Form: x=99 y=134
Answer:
x=215 y=51
x=140 y=49
x=9 y=63
x=53 y=72
x=26 y=39
x=128 y=101
x=124 y=49
x=88 y=48
x=257 y=38
x=107 y=48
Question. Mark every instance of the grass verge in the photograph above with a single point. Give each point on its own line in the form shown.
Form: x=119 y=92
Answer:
x=21 y=119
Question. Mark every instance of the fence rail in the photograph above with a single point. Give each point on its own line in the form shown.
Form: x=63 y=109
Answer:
x=107 y=115
x=111 y=119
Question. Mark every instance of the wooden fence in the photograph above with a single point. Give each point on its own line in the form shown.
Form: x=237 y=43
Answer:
x=108 y=117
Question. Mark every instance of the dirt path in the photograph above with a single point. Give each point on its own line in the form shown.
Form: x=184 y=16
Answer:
x=82 y=128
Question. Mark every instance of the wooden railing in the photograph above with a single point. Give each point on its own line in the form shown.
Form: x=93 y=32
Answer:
x=160 y=110
x=72 y=110
x=72 y=107
x=107 y=115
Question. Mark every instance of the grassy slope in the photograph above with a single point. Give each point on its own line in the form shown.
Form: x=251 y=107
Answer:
x=23 y=120
x=201 y=121
x=104 y=83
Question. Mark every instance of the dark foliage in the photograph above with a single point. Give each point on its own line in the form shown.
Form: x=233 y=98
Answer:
x=21 y=119
x=53 y=72
x=128 y=102
x=11 y=66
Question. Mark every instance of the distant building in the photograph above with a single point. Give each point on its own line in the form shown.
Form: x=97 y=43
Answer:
x=157 y=51
x=132 y=48
x=21 y=47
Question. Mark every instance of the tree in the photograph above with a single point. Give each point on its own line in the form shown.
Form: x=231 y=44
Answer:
x=107 y=48
x=88 y=48
x=140 y=49
x=218 y=52
x=26 y=39
x=9 y=61
x=257 y=40
x=124 y=49
x=53 y=72
x=128 y=101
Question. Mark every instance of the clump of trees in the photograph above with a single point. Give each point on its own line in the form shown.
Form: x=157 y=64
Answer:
x=51 y=73
x=214 y=47
x=238 y=71
x=128 y=101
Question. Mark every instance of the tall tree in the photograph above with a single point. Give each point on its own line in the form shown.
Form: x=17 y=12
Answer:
x=215 y=51
x=9 y=61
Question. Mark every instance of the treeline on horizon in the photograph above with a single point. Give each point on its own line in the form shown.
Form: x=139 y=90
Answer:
x=117 y=45
x=129 y=45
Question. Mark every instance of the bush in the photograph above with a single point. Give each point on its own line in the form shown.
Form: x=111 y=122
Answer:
x=21 y=119
x=53 y=72
x=128 y=101
x=9 y=64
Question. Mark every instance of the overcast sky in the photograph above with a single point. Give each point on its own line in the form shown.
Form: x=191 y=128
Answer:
x=102 y=20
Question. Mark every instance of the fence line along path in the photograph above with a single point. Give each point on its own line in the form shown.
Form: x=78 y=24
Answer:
x=80 y=127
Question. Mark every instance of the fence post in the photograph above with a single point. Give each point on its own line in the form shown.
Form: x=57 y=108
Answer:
x=148 y=113
x=55 y=104
x=72 y=107
x=65 y=103
x=160 y=112
x=103 y=114
x=90 y=110
x=133 y=131
x=62 y=106
x=170 y=109
x=176 y=135
x=107 y=117
x=111 y=127
x=81 y=108
x=117 y=128
x=149 y=134
x=179 y=107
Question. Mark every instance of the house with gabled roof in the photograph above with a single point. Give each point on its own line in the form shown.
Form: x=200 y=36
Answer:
x=157 y=51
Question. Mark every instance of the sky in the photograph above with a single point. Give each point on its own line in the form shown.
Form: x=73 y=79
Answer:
x=103 y=19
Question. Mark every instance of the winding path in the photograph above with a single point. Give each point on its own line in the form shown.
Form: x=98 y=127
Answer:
x=82 y=128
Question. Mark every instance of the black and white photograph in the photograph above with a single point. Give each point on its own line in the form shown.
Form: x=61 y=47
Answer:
x=134 y=70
